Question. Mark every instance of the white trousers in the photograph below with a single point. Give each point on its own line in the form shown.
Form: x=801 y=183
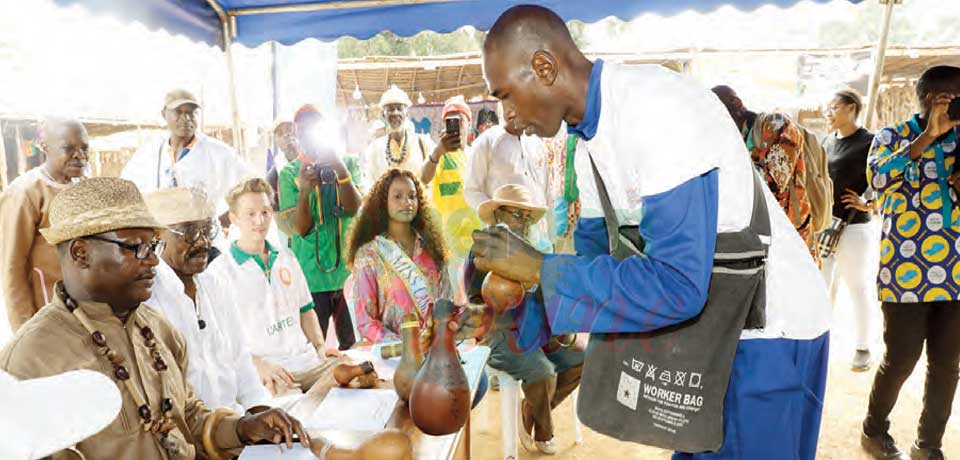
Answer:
x=855 y=264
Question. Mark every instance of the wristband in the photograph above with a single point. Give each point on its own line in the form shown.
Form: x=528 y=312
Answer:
x=209 y=429
x=436 y=162
x=345 y=180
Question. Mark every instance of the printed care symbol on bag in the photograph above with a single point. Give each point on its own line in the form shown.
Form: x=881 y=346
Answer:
x=628 y=392
x=637 y=366
x=695 y=380
x=680 y=378
x=665 y=377
x=651 y=372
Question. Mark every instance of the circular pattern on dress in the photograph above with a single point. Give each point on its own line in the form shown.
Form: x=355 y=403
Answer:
x=936 y=275
x=948 y=146
x=884 y=275
x=908 y=275
x=935 y=221
x=887 y=224
x=936 y=295
x=930 y=196
x=908 y=249
x=879 y=181
x=935 y=248
x=886 y=295
x=896 y=204
x=885 y=136
x=908 y=224
x=886 y=251
x=909 y=297
x=930 y=170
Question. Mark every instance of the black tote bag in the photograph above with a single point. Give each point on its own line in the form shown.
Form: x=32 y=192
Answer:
x=665 y=388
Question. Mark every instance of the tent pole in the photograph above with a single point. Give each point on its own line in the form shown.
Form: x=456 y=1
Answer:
x=235 y=111
x=879 y=58
x=228 y=33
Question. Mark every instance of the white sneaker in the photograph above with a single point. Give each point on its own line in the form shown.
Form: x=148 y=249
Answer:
x=526 y=439
x=547 y=447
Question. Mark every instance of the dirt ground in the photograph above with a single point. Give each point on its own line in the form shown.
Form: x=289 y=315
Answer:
x=846 y=400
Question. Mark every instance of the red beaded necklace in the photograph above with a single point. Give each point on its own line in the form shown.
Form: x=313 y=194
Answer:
x=161 y=425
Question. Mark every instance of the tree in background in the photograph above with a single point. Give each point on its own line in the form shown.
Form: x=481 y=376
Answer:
x=427 y=43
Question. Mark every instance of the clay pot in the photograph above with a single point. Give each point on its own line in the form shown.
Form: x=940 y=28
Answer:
x=440 y=398
x=410 y=359
x=500 y=293
x=345 y=373
x=387 y=445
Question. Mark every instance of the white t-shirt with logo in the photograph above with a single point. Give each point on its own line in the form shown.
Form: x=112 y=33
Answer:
x=268 y=310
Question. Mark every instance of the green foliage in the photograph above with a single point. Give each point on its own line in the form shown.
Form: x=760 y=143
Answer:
x=427 y=43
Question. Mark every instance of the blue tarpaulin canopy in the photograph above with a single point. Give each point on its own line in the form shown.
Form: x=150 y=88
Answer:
x=254 y=22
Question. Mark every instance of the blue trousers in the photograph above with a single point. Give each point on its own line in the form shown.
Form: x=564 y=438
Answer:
x=774 y=401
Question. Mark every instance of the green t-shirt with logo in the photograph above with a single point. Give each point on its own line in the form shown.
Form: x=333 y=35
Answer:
x=317 y=252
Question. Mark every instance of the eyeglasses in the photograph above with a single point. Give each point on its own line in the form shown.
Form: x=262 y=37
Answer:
x=140 y=251
x=519 y=214
x=193 y=233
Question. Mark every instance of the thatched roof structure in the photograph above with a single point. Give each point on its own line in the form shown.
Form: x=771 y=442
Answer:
x=435 y=77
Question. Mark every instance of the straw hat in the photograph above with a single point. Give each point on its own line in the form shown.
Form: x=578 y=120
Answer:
x=517 y=196
x=96 y=205
x=49 y=414
x=395 y=95
x=173 y=206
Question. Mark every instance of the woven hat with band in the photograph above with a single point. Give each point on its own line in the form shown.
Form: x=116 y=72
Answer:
x=96 y=205
x=514 y=195
x=171 y=206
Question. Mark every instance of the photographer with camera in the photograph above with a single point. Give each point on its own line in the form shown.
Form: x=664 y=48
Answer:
x=911 y=165
x=321 y=216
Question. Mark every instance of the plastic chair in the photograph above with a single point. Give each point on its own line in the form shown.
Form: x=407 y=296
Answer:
x=510 y=414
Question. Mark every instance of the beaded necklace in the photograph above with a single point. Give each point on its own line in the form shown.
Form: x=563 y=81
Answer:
x=161 y=425
x=391 y=160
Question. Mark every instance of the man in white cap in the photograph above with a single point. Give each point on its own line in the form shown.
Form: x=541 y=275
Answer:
x=402 y=147
x=107 y=242
x=49 y=414
x=199 y=304
x=186 y=157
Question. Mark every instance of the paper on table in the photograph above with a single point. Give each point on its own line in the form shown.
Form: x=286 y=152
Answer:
x=353 y=410
x=275 y=453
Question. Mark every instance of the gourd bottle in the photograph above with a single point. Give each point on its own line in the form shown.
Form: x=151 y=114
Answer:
x=410 y=359
x=440 y=398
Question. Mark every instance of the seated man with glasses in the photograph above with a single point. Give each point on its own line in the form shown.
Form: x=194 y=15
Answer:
x=107 y=244
x=199 y=305
x=549 y=374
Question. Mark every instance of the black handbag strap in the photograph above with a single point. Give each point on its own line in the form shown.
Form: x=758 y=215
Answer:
x=759 y=219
